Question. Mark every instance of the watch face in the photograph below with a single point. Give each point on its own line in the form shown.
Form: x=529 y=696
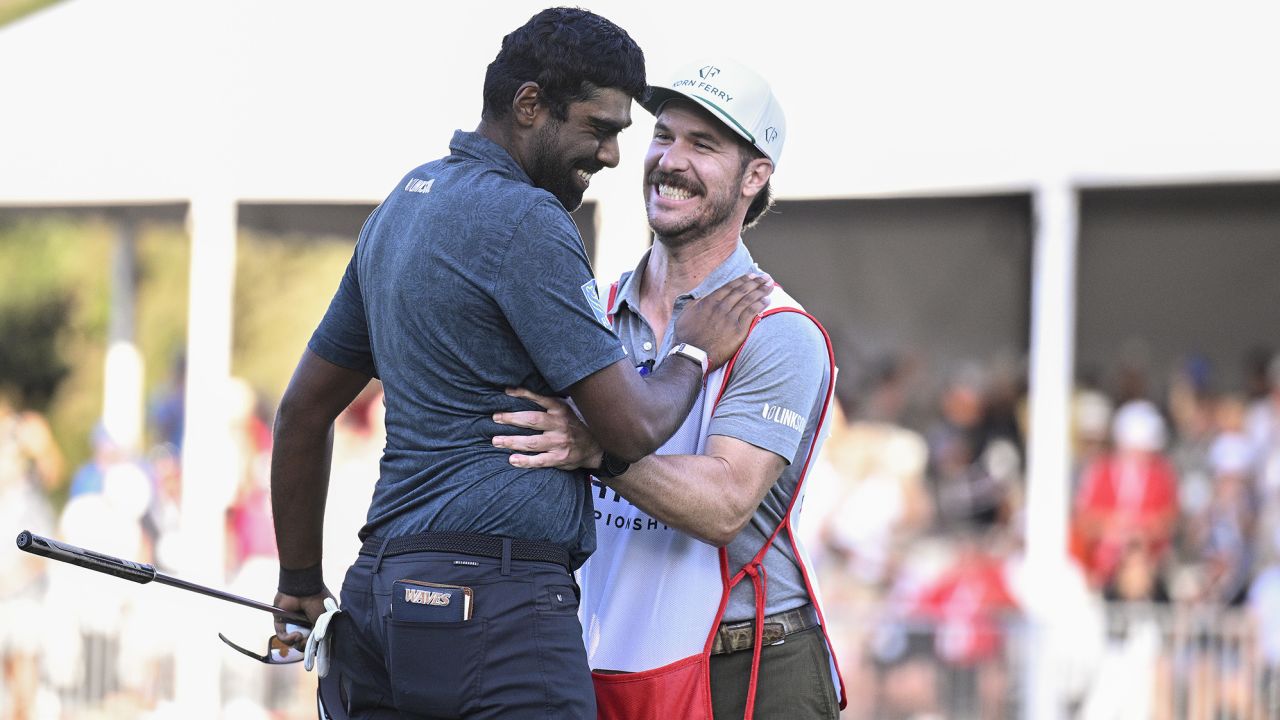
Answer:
x=613 y=466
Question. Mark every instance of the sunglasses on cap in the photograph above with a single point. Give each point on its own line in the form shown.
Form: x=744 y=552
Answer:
x=278 y=653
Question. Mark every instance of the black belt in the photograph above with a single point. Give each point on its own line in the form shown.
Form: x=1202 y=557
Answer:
x=490 y=546
x=732 y=637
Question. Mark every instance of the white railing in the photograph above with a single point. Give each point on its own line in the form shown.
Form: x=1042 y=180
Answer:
x=1138 y=661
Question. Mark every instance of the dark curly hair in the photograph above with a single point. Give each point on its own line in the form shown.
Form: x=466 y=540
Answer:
x=569 y=52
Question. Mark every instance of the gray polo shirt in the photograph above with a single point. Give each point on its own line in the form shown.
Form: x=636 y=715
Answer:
x=465 y=281
x=773 y=401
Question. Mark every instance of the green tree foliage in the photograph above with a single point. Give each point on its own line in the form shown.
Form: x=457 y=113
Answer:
x=54 y=311
x=30 y=365
x=11 y=10
x=55 y=292
x=54 y=300
x=283 y=286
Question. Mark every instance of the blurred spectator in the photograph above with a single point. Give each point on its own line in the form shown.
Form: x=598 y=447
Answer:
x=1090 y=422
x=162 y=522
x=970 y=603
x=27 y=448
x=168 y=407
x=252 y=563
x=110 y=463
x=1256 y=366
x=877 y=502
x=250 y=530
x=865 y=502
x=1262 y=426
x=359 y=437
x=1136 y=577
x=1132 y=380
x=29 y=463
x=887 y=397
x=967 y=494
x=899 y=648
x=1192 y=408
x=1223 y=533
x=1004 y=411
x=1264 y=606
x=1128 y=496
x=82 y=648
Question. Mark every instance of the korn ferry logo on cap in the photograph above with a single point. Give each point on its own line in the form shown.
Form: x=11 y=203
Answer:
x=735 y=94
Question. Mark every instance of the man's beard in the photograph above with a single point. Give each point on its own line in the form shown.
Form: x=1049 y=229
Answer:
x=714 y=210
x=551 y=172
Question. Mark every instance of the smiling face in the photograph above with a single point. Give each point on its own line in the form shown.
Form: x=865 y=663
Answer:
x=696 y=183
x=566 y=153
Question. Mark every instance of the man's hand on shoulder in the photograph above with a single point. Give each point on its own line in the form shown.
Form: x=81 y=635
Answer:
x=719 y=322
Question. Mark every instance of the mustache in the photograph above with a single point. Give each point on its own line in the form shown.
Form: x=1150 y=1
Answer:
x=657 y=177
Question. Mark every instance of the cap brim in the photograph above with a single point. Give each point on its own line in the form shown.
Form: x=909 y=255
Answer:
x=659 y=96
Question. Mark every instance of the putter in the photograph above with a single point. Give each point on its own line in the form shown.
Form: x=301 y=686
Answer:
x=140 y=573
x=330 y=704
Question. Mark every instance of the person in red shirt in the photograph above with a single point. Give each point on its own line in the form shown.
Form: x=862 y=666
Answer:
x=969 y=606
x=1128 y=498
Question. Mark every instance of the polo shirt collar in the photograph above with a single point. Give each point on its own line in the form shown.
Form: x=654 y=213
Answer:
x=736 y=264
x=478 y=147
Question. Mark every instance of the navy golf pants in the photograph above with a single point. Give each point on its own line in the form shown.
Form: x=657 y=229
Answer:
x=520 y=656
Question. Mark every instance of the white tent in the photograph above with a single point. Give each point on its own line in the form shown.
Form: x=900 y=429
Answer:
x=153 y=100
x=213 y=103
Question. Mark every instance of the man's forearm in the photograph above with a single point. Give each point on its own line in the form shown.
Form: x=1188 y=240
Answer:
x=631 y=416
x=695 y=494
x=300 y=457
x=661 y=407
x=300 y=462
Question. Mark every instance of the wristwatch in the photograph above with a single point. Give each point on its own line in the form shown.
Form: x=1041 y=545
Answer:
x=695 y=354
x=610 y=466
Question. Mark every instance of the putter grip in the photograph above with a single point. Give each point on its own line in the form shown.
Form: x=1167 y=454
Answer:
x=88 y=559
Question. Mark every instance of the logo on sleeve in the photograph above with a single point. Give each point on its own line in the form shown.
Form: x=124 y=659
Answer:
x=592 y=294
x=416 y=185
x=783 y=416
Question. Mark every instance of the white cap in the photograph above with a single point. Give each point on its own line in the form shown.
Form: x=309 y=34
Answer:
x=1231 y=454
x=1138 y=426
x=736 y=95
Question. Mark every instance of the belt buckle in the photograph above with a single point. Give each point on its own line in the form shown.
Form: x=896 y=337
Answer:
x=740 y=636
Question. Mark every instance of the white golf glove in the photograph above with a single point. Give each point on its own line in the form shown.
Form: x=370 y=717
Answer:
x=317 y=652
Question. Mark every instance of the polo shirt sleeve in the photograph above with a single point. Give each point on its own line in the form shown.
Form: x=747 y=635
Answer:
x=776 y=386
x=342 y=337
x=548 y=294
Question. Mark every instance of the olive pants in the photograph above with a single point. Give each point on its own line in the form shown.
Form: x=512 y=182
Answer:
x=794 y=681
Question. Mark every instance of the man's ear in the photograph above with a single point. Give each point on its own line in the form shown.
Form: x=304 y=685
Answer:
x=756 y=175
x=526 y=104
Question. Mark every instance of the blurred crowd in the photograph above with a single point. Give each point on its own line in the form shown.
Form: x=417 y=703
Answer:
x=917 y=525
x=75 y=643
x=914 y=516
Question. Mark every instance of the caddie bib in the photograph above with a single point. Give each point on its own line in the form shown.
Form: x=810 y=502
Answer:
x=653 y=597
